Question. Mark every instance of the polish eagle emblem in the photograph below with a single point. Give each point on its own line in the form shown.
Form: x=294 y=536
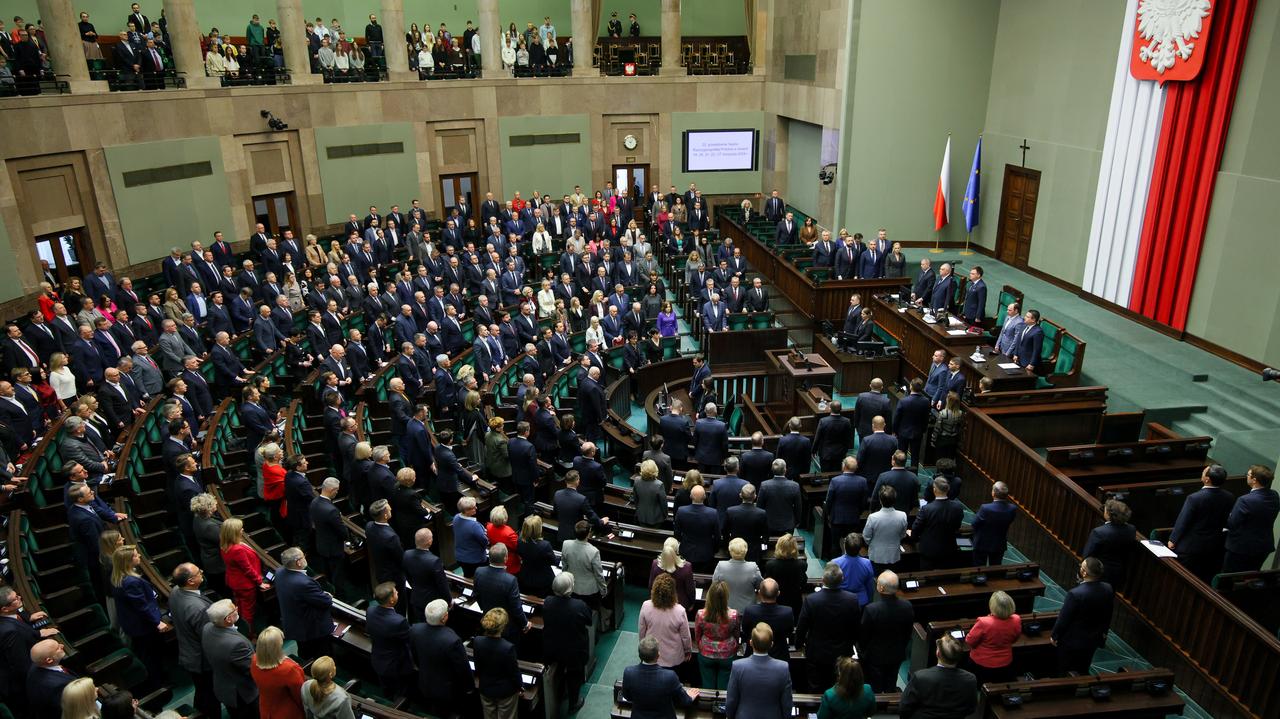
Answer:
x=1167 y=38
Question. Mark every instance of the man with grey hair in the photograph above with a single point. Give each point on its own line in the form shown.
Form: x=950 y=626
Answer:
x=991 y=527
x=229 y=373
x=495 y=587
x=146 y=373
x=304 y=606
x=885 y=634
x=444 y=674
x=710 y=441
x=76 y=448
x=424 y=572
x=592 y=409
x=330 y=533
x=566 y=621
x=172 y=348
x=188 y=607
x=229 y=654
x=653 y=690
x=780 y=498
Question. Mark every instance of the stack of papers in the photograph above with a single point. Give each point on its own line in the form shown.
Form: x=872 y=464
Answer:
x=1008 y=365
x=957 y=333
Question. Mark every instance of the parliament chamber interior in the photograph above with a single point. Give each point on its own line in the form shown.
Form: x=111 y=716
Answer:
x=497 y=358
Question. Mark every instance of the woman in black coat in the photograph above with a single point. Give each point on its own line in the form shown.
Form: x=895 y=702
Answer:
x=536 y=559
x=496 y=667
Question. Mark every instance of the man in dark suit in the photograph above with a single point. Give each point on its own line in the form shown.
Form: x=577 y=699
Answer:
x=846 y=500
x=871 y=263
x=444 y=676
x=330 y=533
x=944 y=290
x=991 y=527
x=1029 y=341
x=847 y=257
x=975 y=298
x=710 y=441
x=757 y=462
x=827 y=627
x=389 y=635
x=495 y=587
x=876 y=450
x=833 y=438
x=947 y=381
x=129 y=62
x=1250 y=536
x=782 y=500
x=304 y=606
x=788 y=232
x=885 y=634
x=383 y=545
x=46 y=679
x=591 y=406
x=796 y=450
x=676 y=433
x=1084 y=619
x=697 y=528
x=943 y=690
x=188 y=607
x=905 y=483
x=524 y=464
x=759 y=685
x=824 y=251
x=424 y=572
x=229 y=653
x=872 y=403
x=726 y=492
x=911 y=421
x=566 y=621
x=86 y=525
x=749 y=522
x=569 y=505
x=935 y=528
x=1197 y=534
x=653 y=691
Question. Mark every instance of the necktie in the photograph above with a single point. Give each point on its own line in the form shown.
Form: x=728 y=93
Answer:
x=30 y=355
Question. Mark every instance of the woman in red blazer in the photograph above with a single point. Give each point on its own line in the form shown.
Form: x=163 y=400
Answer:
x=500 y=532
x=991 y=641
x=244 y=569
x=278 y=677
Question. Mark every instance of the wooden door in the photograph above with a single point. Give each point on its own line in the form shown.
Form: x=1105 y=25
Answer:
x=1017 y=214
x=277 y=213
x=634 y=179
x=462 y=185
x=67 y=254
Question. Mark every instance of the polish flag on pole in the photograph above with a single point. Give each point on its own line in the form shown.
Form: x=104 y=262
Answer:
x=943 y=198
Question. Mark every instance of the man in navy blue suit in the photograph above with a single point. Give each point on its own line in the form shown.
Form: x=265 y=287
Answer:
x=710 y=441
x=676 y=433
x=952 y=381
x=389 y=635
x=788 y=230
x=846 y=499
x=872 y=403
x=1084 y=619
x=1027 y=352
x=757 y=462
x=824 y=251
x=991 y=527
x=871 y=263
x=876 y=451
x=46 y=679
x=1249 y=526
x=796 y=450
x=697 y=527
x=848 y=255
x=975 y=299
x=905 y=483
x=304 y=606
x=944 y=289
x=1197 y=534
x=255 y=420
x=524 y=464
x=653 y=691
x=911 y=420
x=495 y=587
x=759 y=685
x=922 y=288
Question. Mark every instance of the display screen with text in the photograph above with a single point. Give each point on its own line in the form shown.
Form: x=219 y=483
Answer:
x=720 y=150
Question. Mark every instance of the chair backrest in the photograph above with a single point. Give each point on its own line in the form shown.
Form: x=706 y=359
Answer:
x=1010 y=294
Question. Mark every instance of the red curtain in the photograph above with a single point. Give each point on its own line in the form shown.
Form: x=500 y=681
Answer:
x=1192 y=136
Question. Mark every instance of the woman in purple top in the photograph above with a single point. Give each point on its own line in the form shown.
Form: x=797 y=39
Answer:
x=667 y=321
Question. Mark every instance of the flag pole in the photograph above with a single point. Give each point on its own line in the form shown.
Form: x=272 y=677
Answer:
x=937 y=249
x=966 y=251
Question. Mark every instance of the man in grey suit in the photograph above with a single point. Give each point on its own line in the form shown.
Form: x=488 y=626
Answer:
x=228 y=653
x=189 y=608
x=759 y=685
x=77 y=449
x=172 y=349
x=146 y=373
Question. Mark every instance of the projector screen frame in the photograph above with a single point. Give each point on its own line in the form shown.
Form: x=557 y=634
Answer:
x=755 y=149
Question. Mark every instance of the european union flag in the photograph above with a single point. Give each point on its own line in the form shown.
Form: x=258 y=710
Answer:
x=971 y=191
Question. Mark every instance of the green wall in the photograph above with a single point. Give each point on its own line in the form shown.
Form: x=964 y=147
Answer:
x=648 y=12
x=547 y=168
x=907 y=97
x=149 y=214
x=10 y=287
x=715 y=183
x=1236 y=301
x=352 y=184
x=526 y=11
x=804 y=153
x=697 y=17
x=1058 y=102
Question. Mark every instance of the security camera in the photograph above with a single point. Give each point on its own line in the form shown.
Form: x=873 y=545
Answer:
x=1270 y=375
x=828 y=173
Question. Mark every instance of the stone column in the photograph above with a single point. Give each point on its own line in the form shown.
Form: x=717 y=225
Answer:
x=490 y=28
x=184 y=38
x=584 y=39
x=66 y=53
x=762 y=43
x=293 y=36
x=393 y=41
x=671 y=39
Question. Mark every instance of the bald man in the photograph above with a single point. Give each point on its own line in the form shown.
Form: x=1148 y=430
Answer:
x=697 y=527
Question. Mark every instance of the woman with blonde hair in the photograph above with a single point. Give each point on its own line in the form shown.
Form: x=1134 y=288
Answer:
x=278 y=677
x=684 y=495
x=692 y=264
x=474 y=426
x=947 y=427
x=546 y=299
x=650 y=496
x=334 y=256
x=108 y=542
x=790 y=571
x=208 y=531
x=499 y=532
x=173 y=308
x=61 y=377
x=313 y=252
x=741 y=576
x=497 y=463
x=595 y=331
x=80 y=700
x=322 y=698
x=244 y=570
x=541 y=240
x=537 y=557
x=991 y=639
x=716 y=630
x=670 y=563
x=138 y=612
x=292 y=292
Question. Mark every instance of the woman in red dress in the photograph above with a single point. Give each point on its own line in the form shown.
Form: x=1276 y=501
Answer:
x=244 y=570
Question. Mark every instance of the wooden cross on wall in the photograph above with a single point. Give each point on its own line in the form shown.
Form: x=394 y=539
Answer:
x=1024 y=147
